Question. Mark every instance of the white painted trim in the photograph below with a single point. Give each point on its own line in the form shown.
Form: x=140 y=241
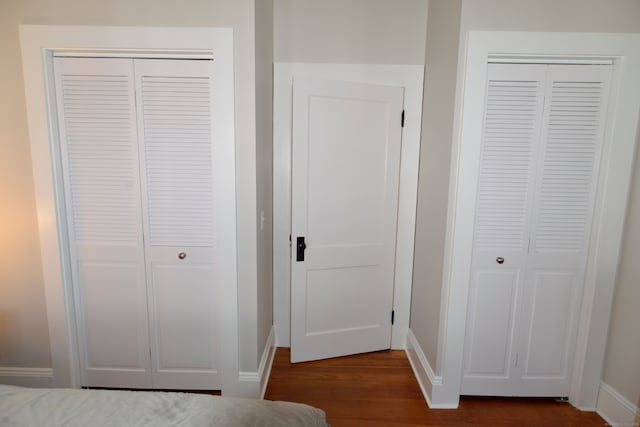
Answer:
x=261 y=376
x=532 y=59
x=616 y=409
x=429 y=382
x=411 y=78
x=134 y=53
x=266 y=361
x=610 y=206
x=26 y=377
x=39 y=43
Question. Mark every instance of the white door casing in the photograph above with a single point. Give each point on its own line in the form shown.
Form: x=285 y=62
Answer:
x=540 y=157
x=345 y=176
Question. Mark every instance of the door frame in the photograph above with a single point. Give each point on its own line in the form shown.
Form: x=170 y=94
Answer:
x=411 y=78
x=39 y=44
x=610 y=205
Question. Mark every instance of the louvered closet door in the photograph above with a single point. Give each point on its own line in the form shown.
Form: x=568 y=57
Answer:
x=100 y=166
x=570 y=151
x=176 y=151
x=541 y=148
x=513 y=113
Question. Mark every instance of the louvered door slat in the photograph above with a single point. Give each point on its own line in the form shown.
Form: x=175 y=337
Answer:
x=103 y=187
x=572 y=144
x=507 y=156
x=177 y=140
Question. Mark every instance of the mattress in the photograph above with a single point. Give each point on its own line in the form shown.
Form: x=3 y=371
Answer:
x=70 y=407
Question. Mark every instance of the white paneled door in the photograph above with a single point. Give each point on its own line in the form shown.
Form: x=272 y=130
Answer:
x=137 y=157
x=345 y=176
x=542 y=138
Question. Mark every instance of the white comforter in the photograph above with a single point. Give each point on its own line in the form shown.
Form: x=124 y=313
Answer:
x=66 y=407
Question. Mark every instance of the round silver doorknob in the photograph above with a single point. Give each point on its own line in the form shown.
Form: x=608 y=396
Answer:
x=499 y=260
x=182 y=255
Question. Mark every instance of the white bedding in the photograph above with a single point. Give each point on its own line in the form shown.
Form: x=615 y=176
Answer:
x=67 y=407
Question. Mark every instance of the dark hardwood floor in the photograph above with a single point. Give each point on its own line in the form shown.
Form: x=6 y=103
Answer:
x=379 y=389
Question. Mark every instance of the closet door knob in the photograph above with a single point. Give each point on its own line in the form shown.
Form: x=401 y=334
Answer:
x=182 y=255
x=499 y=260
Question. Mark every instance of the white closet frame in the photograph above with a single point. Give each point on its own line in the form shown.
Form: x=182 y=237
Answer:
x=610 y=205
x=39 y=45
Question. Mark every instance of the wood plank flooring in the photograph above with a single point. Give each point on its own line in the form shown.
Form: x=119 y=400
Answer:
x=379 y=389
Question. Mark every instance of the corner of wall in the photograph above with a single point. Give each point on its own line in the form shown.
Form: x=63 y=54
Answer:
x=430 y=384
x=254 y=384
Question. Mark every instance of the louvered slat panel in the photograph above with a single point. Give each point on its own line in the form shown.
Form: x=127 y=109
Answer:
x=177 y=139
x=567 y=181
x=101 y=158
x=506 y=164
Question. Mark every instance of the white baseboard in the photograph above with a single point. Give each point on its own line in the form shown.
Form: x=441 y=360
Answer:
x=266 y=361
x=261 y=377
x=428 y=380
x=26 y=377
x=616 y=409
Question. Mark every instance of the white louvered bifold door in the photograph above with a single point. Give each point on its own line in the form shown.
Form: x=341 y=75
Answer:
x=176 y=151
x=515 y=98
x=95 y=99
x=542 y=140
x=570 y=151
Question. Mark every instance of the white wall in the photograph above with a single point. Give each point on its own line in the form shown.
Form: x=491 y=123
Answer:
x=23 y=328
x=441 y=61
x=350 y=31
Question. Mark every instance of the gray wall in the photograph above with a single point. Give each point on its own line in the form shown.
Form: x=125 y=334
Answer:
x=264 y=165
x=441 y=62
x=622 y=366
x=23 y=325
x=350 y=31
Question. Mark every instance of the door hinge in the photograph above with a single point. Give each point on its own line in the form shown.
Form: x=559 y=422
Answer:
x=516 y=360
x=393 y=316
x=402 y=119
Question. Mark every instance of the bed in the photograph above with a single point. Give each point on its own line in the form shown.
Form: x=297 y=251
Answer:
x=69 y=407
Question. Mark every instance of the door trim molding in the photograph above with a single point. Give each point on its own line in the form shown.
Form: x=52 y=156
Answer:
x=39 y=44
x=610 y=206
x=411 y=78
